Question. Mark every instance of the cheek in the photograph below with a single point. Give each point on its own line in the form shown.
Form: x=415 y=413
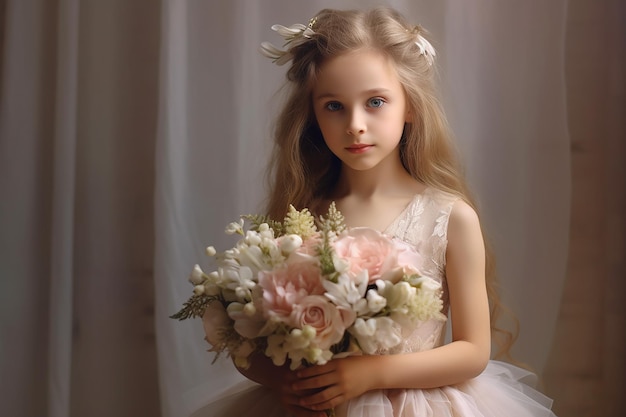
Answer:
x=330 y=133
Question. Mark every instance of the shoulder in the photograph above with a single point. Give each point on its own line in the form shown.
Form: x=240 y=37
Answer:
x=464 y=227
x=462 y=214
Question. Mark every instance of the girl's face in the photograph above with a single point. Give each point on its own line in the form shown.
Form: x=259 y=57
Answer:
x=360 y=107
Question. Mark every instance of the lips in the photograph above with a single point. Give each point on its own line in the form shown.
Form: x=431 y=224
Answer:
x=359 y=148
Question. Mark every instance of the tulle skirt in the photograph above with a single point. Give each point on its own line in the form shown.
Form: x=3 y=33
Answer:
x=501 y=390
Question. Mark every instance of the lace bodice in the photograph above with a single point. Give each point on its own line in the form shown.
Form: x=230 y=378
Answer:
x=424 y=225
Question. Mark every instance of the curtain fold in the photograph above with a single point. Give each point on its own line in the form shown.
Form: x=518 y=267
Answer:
x=25 y=186
x=505 y=93
x=62 y=213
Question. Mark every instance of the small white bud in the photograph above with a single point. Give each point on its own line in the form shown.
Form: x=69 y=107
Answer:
x=290 y=243
x=197 y=276
x=308 y=332
x=249 y=309
x=242 y=293
x=210 y=251
x=253 y=239
x=198 y=289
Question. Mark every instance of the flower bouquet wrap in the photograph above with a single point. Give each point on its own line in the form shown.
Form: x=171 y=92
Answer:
x=304 y=291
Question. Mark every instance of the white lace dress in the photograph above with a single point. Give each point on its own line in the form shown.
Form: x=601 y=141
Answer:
x=501 y=390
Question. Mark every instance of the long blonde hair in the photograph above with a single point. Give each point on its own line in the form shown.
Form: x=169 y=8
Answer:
x=303 y=171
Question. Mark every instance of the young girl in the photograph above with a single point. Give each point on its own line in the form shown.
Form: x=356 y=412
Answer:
x=362 y=127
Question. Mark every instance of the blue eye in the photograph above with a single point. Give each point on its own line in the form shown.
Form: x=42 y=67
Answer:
x=334 y=106
x=376 y=102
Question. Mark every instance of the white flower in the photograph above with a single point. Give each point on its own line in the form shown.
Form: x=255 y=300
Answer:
x=290 y=243
x=375 y=302
x=235 y=227
x=348 y=292
x=197 y=275
x=426 y=49
x=266 y=232
x=249 y=309
x=376 y=334
x=341 y=265
x=275 y=349
x=198 y=289
x=252 y=238
x=273 y=254
x=300 y=339
x=294 y=35
x=399 y=295
x=318 y=356
x=425 y=283
x=240 y=280
x=299 y=345
x=291 y=31
x=251 y=257
x=210 y=251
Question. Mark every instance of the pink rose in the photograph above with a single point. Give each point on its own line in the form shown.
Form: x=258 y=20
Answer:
x=216 y=323
x=408 y=256
x=318 y=312
x=368 y=249
x=284 y=287
x=310 y=245
x=408 y=262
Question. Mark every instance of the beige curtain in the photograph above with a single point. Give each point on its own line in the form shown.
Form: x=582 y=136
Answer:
x=131 y=132
x=78 y=116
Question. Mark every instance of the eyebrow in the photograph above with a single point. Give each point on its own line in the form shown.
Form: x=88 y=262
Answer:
x=370 y=92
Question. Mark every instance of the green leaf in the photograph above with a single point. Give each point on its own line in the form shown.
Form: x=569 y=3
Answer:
x=193 y=307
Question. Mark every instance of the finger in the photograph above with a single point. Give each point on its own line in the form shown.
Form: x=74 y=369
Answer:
x=315 y=370
x=304 y=412
x=323 y=400
x=313 y=384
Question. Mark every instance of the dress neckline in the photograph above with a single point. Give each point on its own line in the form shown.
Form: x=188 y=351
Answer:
x=414 y=199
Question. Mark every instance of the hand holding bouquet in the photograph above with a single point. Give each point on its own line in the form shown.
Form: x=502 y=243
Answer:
x=308 y=291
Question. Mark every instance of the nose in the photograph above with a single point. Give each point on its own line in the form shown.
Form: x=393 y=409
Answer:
x=356 y=123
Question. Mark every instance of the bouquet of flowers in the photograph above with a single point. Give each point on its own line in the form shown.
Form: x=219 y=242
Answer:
x=306 y=290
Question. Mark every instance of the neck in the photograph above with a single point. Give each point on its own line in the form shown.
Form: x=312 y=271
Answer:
x=386 y=179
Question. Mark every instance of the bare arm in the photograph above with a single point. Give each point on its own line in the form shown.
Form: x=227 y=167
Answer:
x=465 y=357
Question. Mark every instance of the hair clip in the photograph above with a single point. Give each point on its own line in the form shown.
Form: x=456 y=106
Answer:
x=425 y=47
x=294 y=35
